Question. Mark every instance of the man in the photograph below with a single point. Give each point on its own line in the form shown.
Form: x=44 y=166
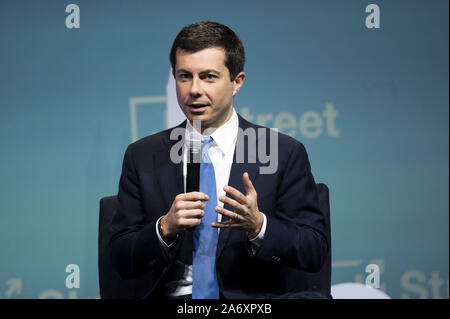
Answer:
x=244 y=233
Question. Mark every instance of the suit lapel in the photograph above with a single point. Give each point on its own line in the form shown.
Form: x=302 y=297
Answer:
x=235 y=180
x=169 y=175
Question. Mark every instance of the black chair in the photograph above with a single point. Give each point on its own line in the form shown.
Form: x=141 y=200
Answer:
x=112 y=286
x=320 y=281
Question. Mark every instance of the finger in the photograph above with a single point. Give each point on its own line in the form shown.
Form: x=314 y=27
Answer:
x=234 y=204
x=227 y=224
x=190 y=205
x=191 y=213
x=248 y=184
x=193 y=196
x=190 y=222
x=232 y=215
x=236 y=194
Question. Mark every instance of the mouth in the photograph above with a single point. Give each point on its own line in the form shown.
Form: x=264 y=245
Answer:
x=197 y=107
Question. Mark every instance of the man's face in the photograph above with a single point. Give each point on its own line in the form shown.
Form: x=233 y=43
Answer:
x=204 y=89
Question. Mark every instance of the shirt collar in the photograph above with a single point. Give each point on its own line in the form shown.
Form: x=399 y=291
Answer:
x=225 y=135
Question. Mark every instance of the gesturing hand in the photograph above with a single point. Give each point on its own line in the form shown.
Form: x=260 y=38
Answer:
x=246 y=215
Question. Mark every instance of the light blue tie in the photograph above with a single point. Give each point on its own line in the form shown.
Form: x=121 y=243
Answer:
x=204 y=277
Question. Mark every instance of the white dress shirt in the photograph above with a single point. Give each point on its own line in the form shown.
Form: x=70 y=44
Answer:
x=221 y=152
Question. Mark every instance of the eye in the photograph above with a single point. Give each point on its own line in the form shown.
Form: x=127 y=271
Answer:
x=183 y=76
x=211 y=76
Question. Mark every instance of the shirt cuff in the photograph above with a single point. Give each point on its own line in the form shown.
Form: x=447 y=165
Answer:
x=256 y=242
x=161 y=241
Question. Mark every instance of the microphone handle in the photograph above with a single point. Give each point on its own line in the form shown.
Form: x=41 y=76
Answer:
x=193 y=173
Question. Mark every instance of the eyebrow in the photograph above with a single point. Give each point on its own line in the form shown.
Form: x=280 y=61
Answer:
x=202 y=72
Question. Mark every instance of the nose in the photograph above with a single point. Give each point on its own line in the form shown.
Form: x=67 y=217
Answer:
x=196 y=89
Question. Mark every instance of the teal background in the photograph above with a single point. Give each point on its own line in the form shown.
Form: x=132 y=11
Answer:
x=65 y=124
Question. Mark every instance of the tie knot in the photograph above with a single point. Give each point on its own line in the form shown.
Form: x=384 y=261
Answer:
x=207 y=140
x=206 y=144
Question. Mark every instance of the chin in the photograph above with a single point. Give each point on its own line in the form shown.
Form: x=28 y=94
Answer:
x=198 y=117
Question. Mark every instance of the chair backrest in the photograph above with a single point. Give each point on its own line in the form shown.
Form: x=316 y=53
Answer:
x=321 y=280
x=296 y=280
x=112 y=286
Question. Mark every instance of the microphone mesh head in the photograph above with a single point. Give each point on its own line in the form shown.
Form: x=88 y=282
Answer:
x=194 y=142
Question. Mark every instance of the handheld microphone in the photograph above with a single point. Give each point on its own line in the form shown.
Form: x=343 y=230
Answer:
x=194 y=151
x=194 y=146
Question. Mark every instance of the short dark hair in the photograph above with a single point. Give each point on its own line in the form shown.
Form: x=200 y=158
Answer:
x=206 y=34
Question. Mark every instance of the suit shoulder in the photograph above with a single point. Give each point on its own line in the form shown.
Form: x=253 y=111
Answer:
x=289 y=140
x=283 y=139
x=285 y=142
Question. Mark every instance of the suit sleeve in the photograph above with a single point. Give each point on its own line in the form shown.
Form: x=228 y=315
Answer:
x=135 y=248
x=295 y=233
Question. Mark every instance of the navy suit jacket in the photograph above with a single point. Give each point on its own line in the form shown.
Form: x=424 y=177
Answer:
x=294 y=238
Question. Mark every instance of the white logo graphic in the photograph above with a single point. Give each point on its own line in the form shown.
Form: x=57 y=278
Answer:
x=14 y=287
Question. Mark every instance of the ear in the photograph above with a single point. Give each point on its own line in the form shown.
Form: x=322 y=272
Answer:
x=238 y=81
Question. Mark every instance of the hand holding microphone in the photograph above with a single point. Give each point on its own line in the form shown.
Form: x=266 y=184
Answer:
x=186 y=211
x=187 y=208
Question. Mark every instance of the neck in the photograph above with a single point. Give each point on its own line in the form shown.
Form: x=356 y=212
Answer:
x=209 y=129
